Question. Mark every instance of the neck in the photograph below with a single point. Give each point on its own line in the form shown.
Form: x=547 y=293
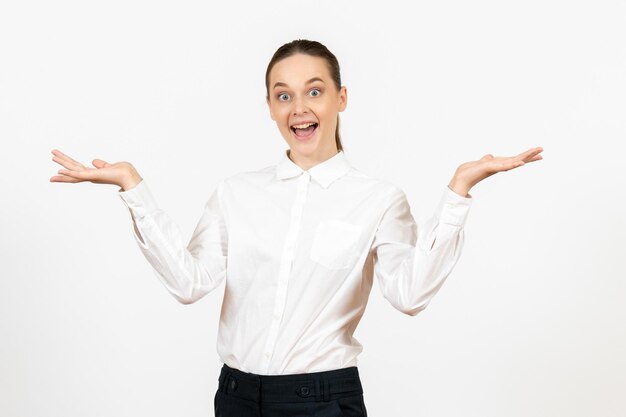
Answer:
x=309 y=161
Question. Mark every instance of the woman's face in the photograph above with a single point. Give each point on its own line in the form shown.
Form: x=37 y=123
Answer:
x=301 y=91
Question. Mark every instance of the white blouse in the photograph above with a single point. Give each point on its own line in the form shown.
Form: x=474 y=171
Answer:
x=298 y=251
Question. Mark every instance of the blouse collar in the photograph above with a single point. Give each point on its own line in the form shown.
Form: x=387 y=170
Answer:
x=324 y=173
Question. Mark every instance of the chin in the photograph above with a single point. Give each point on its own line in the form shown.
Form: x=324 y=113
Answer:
x=308 y=147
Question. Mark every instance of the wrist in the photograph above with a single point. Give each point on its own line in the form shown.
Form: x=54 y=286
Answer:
x=131 y=180
x=460 y=187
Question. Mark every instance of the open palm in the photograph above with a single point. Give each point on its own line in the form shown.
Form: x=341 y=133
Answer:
x=103 y=173
x=470 y=173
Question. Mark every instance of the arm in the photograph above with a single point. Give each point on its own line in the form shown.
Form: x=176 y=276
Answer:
x=411 y=263
x=188 y=271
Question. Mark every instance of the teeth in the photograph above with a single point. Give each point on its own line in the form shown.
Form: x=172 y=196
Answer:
x=303 y=126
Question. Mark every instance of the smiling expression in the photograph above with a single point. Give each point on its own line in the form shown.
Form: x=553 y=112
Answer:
x=301 y=93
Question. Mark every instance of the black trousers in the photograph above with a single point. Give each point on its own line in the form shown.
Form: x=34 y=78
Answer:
x=335 y=393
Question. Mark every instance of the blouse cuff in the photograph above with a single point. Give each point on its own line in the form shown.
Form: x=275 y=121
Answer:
x=454 y=208
x=139 y=199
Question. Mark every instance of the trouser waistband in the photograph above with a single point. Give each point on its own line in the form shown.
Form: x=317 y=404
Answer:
x=305 y=387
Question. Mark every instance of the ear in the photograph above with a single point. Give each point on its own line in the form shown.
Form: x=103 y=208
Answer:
x=267 y=100
x=343 y=98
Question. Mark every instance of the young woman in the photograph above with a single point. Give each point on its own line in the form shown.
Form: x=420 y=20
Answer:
x=298 y=244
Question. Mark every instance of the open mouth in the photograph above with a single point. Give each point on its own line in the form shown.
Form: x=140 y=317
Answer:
x=304 y=130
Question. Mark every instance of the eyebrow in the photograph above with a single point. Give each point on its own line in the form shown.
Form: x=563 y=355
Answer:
x=279 y=84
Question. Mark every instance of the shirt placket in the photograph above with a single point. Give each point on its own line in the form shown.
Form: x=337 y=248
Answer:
x=285 y=266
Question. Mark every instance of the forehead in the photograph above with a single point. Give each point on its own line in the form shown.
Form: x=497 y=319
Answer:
x=298 y=68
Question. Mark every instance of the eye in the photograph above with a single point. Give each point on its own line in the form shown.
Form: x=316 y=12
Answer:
x=282 y=95
x=316 y=90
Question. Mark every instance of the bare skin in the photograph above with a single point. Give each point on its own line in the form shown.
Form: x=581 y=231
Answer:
x=290 y=102
x=471 y=173
x=289 y=99
x=122 y=174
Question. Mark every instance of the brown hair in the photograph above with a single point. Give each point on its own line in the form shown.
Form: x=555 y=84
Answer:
x=312 y=48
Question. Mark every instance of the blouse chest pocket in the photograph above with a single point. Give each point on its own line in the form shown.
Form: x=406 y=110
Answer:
x=335 y=243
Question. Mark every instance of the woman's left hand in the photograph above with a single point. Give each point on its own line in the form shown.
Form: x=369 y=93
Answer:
x=471 y=173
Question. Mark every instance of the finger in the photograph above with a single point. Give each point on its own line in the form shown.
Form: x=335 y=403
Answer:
x=63 y=178
x=99 y=163
x=68 y=164
x=523 y=155
x=515 y=164
x=530 y=152
x=81 y=175
x=62 y=156
x=507 y=164
x=534 y=158
x=535 y=152
x=63 y=159
x=517 y=161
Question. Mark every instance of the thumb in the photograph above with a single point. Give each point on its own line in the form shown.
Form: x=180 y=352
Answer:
x=99 y=163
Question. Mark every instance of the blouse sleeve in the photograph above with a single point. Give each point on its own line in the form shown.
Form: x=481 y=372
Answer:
x=411 y=263
x=188 y=271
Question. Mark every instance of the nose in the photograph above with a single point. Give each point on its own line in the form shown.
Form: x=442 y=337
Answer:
x=299 y=106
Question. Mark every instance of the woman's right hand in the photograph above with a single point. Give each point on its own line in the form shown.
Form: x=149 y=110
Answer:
x=122 y=174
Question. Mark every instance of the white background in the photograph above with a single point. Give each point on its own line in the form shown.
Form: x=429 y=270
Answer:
x=532 y=322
